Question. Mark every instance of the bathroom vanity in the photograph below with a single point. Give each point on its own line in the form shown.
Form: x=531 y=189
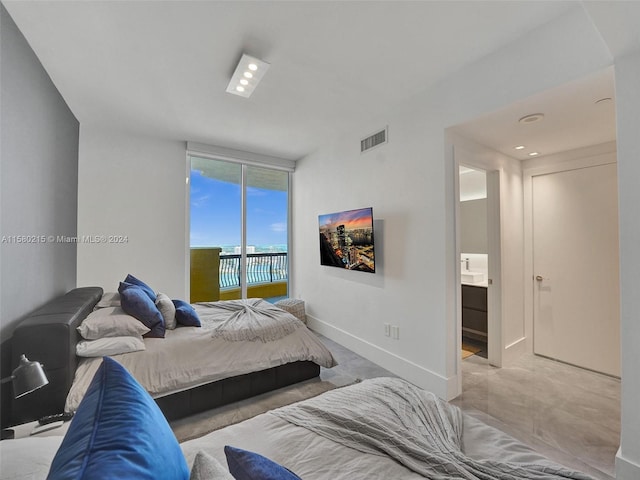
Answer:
x=474 y=312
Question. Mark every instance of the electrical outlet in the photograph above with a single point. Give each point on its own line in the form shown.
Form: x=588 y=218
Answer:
x=387 y=329
x=395 y=332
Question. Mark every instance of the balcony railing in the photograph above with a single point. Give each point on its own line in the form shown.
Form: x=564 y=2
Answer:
x=261 y=268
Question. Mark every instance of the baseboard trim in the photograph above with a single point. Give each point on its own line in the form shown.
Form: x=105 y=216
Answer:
x=396 y=364
x=513 y=351
x=626 y=469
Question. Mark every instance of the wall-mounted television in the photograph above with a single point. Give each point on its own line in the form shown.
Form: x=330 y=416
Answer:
x=346 y=240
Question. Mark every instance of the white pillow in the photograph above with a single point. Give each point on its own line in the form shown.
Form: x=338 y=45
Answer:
x=109 y=346
x=109 y=299
x=167 y=309
x=111 y=322
x=205 y=467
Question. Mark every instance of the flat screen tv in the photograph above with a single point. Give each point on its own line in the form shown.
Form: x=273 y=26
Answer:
x=346 y=240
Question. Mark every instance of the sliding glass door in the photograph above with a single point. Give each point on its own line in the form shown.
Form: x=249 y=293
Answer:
x=239 y=229
x=266 y=219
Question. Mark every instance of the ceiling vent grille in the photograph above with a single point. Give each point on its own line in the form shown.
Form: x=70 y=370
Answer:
x=375 y=140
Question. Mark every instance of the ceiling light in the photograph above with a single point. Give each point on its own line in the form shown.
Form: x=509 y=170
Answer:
x=519 y=147
x=533 y=154
x=247 y=75
x=534 y=117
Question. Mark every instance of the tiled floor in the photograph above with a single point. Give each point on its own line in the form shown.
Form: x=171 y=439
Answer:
x=475 y=345
x=351 y=366
x=569 y=414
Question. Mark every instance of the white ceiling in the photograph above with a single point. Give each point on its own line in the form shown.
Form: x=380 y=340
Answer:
x=161 y=67
x=572 y=119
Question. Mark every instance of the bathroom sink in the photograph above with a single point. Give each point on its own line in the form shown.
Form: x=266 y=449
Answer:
x=472 y=277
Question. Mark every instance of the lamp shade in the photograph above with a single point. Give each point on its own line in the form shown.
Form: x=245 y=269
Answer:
x=27 y=377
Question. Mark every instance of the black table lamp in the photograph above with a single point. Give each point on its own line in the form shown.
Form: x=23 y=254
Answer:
x=27 y=377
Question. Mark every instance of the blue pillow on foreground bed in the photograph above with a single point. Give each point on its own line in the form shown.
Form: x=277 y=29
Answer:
x=118 y=432
x=245 y=465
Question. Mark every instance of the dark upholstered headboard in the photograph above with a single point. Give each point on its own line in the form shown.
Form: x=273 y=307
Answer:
x=49 y=336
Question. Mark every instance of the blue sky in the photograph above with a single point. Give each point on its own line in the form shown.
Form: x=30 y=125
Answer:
x=215 y=213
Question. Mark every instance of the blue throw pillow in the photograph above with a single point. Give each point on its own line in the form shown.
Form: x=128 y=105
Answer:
x=135 y=281
x=186 y=315
x=118 y=432
x=245 y=465
x=136 y=302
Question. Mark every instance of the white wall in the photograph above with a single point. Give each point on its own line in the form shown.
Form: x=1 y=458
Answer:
x=628 y=119
x=410 y=184
x=473 y=226
x=132 y=186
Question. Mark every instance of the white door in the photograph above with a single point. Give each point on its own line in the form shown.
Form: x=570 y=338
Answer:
x=575 y=264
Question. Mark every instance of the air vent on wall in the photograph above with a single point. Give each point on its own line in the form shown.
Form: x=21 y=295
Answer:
x=377 y=139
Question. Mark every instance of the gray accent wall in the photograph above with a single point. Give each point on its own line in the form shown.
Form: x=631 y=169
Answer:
x=39 y=187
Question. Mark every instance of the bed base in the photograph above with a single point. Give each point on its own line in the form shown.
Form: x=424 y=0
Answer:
x=49 y=336
x=229 y=390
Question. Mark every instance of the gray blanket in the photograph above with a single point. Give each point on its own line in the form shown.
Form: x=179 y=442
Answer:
x=247 y=320
x=410 y=425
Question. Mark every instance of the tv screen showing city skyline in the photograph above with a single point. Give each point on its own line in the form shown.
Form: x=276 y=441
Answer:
x=346 y=240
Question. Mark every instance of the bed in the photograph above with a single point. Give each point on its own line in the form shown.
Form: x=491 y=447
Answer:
x=189 y=370
x=381 y=428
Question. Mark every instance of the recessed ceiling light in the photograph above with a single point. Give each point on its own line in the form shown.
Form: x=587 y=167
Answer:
x=534 y=117
x=248 y=68
x=533 y=154
x=519 y=147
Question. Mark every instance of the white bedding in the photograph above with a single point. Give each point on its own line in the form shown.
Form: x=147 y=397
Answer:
x=315 y=457
x=309 y=455
x=27 y=458
x=191 y=356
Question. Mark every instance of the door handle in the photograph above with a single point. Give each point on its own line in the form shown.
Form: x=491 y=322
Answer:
x=539 y=278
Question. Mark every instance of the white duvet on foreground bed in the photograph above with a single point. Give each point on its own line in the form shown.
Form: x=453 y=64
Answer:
x=314 y=456
x=374 y=437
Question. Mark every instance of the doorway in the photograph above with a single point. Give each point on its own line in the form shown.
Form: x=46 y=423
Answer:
x=474 y=262
x=479 y=250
